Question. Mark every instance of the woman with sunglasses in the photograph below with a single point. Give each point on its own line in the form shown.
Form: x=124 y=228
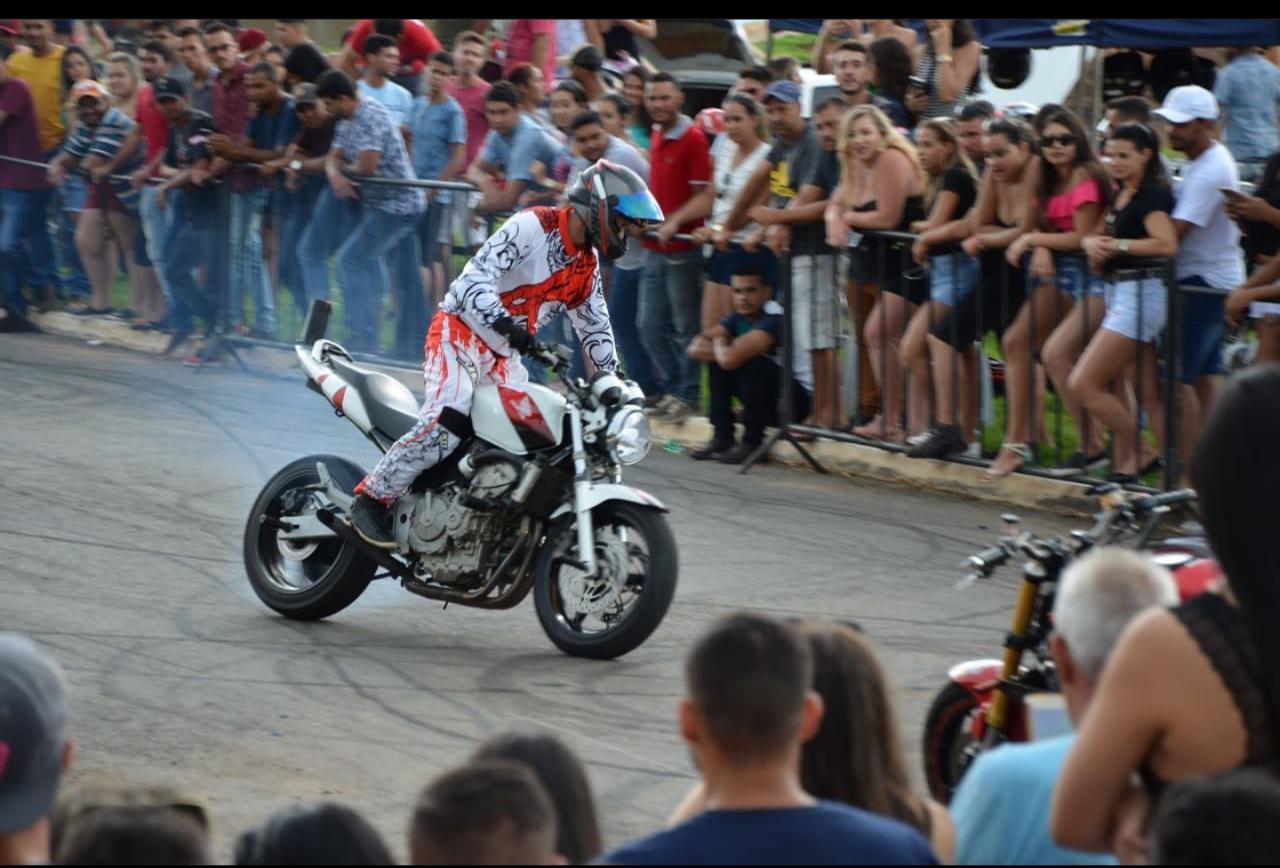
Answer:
x=881 y=188
x=1137 y=224
x=1065 y=300
x=950 y=189
x=747 y=145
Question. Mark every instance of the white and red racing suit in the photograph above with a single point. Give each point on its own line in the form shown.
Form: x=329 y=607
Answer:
x=529 y=270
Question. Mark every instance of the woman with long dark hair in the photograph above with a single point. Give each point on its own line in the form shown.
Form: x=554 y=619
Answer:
x=881 y=187
x=949 y=65
x=638 y=124
x=1193 y=690
x=950 y=189
x=1065 y=300
x=77 y=66
x=1137 y=224
x=892 y=68
x=614 y=110
x=561 y=773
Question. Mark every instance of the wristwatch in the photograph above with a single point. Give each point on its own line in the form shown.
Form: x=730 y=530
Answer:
x=944 y=58
x=296 y=165
x=1123 y=245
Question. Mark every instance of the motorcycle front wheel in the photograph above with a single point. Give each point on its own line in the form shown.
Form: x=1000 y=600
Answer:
x=948 y=735
x=609 y=614
x=309 y=580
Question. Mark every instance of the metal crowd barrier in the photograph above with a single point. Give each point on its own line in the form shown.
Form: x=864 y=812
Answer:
x=847 y=312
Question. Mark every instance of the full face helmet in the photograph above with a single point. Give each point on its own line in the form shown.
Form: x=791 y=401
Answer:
x=606 y=193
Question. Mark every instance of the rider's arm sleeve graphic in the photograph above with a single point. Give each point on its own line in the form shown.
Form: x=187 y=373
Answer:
x=504 y=251
x=591 y=322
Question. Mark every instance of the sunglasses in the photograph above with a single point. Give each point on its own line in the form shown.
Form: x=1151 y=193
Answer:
x=1063 y=140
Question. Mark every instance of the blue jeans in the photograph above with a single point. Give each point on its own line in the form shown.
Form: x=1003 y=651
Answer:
x=69 y=200
x=296 y=209
x=24 y=243
x=411 y=295
x=154 y=232
x=670 y=318
x=248 y=270
x=188 y=243
x=363 y=273
x=1203 y=326
x=332 y=220
x=624 y=298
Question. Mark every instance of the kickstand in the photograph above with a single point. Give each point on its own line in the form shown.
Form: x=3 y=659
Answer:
x=217 y=347
x=783 y=433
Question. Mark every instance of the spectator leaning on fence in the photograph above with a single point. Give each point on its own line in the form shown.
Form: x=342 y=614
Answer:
x=1137 y=224
x=368 y=145
x=971 y=118
x=748 y=713
x=439 y=133
x=1066 y=299
x=881 y=188
x=1193 y=690
x=1002 y=806
x=622 y=276
x=24 y=199
x=76 y=66
x=1208 y=248
x=504 y=169
x=670 y=291
x=38 y=748
x=99 y=135
x=1248 y=93
x=192 y=207
x=331 y=219
x=950 y=189
x=995 y=222
x=303 y=169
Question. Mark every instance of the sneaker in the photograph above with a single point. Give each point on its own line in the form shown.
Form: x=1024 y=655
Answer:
x=652 y=401
x=372 y=521
x=741 y=453
x=679 y=411
x=713 y=449
x=942 y=440
x=917 y=439
x=661 y=405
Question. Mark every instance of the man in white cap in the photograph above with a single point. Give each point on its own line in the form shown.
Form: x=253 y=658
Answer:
x=1208 y=247
x=35 y=749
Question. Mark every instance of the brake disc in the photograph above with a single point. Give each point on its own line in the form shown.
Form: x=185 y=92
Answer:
x=593 y=594
x=297 y=502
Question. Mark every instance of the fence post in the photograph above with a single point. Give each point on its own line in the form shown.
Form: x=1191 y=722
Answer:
x=1173 y=380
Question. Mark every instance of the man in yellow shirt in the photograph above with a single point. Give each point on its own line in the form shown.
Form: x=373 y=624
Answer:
x=41 y=69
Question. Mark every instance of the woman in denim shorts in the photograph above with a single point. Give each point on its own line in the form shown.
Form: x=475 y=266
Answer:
x=1066 y=305
x=1137 y=224
x=950 y=190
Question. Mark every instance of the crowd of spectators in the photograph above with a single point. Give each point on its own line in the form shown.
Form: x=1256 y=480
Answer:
x=791 y=728
x=259 y=166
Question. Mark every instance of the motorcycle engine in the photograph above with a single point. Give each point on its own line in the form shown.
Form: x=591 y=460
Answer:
x=457 y=542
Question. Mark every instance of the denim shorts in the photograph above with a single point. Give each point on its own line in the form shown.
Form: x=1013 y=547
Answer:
x=1203 y=327
x=1072 y=276
x=74 y=192
x=1137 y=309
x=952 y=277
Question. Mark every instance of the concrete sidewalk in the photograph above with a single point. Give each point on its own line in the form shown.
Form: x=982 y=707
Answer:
x=849 y=459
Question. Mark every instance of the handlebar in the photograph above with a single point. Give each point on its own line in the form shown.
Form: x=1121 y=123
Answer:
x=1147 y=503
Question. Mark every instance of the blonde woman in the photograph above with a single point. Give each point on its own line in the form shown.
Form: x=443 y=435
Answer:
x=950 y=189
x=881 y=188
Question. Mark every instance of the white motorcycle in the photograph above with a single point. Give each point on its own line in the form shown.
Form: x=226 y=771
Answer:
x=530 y=500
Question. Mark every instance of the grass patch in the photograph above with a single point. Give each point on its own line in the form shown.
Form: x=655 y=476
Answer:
x=787 y=44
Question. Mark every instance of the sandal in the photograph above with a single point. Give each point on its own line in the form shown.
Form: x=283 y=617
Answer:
x=1022 y=450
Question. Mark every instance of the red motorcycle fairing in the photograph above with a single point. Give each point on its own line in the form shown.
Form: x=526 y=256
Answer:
x=980 y=678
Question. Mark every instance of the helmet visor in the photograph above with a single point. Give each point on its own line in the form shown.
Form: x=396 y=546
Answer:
x=640 y=206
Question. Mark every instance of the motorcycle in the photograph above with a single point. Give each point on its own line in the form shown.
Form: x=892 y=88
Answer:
x=984 y=703
x=532 y=500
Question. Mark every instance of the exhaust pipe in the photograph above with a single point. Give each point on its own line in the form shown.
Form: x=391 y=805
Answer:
x=330 y=519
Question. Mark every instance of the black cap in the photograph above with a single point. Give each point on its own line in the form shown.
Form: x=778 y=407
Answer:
x=168 y=87
x=305 y=93
x=588 y=57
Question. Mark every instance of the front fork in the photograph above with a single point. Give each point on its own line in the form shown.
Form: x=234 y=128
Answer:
x=581 y=492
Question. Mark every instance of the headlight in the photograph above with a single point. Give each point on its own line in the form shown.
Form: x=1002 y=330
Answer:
x=628 y=435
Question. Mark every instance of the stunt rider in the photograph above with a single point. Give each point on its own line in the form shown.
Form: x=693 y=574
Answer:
x=540 y=262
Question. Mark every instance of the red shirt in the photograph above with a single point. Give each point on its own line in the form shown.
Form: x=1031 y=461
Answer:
x=417 y=43
x=520 y=47
x=472 y=101
x=231 y=102
x=155 y=126
x=20 y=137
x=679 y=164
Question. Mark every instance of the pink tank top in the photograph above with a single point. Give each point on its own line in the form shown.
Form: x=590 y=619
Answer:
x=1061 y=210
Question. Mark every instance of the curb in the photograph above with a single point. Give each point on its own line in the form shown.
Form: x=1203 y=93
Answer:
x=848 y=459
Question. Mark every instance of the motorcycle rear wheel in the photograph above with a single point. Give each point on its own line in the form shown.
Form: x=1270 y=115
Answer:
x=630 y=537
x=947 y=737
x=310 y=581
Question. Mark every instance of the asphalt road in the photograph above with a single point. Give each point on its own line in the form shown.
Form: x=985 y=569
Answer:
x=125 y=482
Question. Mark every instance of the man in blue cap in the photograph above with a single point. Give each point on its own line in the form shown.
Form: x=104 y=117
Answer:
x=35 y=749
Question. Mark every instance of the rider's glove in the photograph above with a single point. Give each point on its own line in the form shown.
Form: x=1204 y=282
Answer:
x=518 y=336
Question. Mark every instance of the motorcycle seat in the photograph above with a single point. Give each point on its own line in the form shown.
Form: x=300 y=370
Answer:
x=391 y=407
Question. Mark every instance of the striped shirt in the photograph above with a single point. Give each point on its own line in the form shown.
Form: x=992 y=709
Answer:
x=105 y=140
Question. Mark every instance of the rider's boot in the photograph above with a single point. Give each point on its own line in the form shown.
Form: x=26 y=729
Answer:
x=373 y=522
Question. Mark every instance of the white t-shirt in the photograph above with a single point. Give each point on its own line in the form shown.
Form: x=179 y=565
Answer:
x=1211 y=249
x=730 y=183
x=397 y=100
